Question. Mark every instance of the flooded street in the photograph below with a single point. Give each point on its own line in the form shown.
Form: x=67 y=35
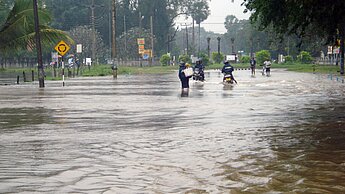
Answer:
x=136 y=134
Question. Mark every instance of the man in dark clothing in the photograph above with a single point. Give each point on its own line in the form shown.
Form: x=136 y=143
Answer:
x=200 y=68
x=253 y=65
x=184 y=80
x=228 y=69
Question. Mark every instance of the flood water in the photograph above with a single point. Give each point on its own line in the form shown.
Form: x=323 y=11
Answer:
x=136 y=134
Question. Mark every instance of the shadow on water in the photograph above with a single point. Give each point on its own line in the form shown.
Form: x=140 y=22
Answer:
x=185 y=92
x=309 y=156
x=21 y=117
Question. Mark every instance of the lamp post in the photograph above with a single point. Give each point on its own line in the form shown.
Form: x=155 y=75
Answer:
x=251 y=47
x=232 y=45
x=38 y=46
x=208 y=46
x=218 y=38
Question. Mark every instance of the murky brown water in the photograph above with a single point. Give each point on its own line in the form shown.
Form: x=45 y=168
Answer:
x=282 y=134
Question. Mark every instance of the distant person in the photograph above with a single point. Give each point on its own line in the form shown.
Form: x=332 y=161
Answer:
x=252 y=65
x=70 y=62
x=267 y=65
x=182 y=75
x=227 y=70
x=199 y=70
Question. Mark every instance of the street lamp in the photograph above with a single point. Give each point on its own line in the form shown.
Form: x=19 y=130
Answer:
x=208 y=46
x=218 y=38
x=251 y=47
x=232 y=45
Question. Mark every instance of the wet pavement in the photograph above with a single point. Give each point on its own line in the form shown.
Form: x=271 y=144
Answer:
x=136 y=134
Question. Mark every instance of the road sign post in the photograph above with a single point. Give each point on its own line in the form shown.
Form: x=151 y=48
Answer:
x=62 y=48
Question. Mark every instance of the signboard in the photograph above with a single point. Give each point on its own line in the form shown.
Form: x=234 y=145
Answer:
x=333 y=50
x=231 y=57
x=148 y=52
x=141 y=49
x=146 y=56
x=55 y=57
x=329 y=50
x=79 y=48
x=141 y=41
x=88 y=61
x=62 y=48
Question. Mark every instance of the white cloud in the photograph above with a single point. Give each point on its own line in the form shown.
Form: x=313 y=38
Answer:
x=219 y=10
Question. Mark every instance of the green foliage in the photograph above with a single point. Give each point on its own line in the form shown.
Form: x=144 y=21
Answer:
x=245 y=59
x=199 y=10
x=70 y=14
x=184 y=58
x=205 y=59
x=262 y=56
x=305 y=57
x=217 y=57
x=129 y=41
x=18 y=31
x=164 y=60
x=288 y=59
x=296 y=17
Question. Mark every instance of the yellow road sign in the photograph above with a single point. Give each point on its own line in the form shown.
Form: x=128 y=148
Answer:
x=62 y=48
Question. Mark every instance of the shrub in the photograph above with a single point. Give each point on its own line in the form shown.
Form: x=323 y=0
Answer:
x=288 y=59
x=205 y=59
x=262 y=56
x=185 y=58
x=165 y=60
x=245 y=59
x=217 y=58
x=305 y=57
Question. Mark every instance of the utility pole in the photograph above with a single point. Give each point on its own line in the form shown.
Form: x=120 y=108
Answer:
x=152 y=42
x=187 y=39
x=113 y=37
x=199 y=41
x=93 y=52
x=125 y=32
x=168 y=48
x=193 y=37
x=38 y=47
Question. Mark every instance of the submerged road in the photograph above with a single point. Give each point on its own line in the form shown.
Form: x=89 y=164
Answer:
x=136 y=134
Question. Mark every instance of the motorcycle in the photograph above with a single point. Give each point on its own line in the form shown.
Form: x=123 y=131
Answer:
x=228 y=79
x=198 y=75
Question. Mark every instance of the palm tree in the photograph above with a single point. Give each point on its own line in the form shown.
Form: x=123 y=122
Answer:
x=18 y=31
x=199 y=12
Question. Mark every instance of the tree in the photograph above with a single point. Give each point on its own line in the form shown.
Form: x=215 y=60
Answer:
x=83 y=35
x=327 y=20
x=18 y=32
x=131 y=51
x=199 y=11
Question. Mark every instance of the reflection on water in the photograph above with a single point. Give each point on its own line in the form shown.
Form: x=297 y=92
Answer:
x=139 y=134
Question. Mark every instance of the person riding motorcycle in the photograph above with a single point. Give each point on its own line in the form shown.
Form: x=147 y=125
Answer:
x=227 y=70
x=199 y=70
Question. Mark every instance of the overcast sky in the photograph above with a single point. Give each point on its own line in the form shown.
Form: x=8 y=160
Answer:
x=219 y=10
